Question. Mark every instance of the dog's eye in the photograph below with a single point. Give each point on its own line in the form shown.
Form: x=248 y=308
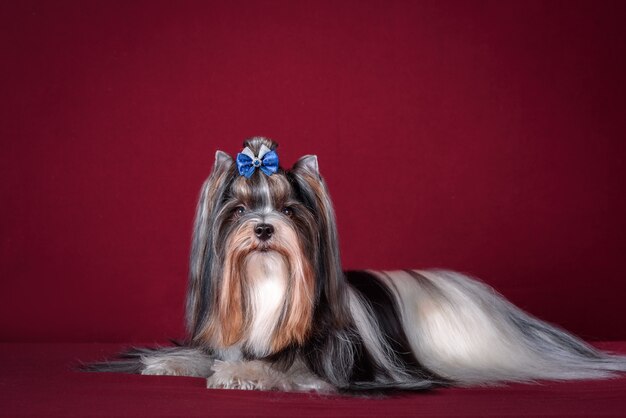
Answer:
x=239 y=210
x=287 y=211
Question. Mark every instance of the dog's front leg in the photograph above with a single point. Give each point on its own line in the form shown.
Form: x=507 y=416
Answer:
x=247 y=375
x=259 y=375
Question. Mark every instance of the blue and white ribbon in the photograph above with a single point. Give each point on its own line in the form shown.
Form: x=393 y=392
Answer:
x=247 y=162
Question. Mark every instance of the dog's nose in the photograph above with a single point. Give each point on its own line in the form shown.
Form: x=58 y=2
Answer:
x=264 y=231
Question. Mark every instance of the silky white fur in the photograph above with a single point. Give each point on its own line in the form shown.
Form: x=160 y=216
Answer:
x=464 y=330
x=267 y=273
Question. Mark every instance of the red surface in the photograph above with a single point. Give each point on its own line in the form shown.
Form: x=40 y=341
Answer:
x=37 y=380
x=486 y=137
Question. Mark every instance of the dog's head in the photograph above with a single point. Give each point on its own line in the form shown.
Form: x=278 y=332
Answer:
x=265 y=269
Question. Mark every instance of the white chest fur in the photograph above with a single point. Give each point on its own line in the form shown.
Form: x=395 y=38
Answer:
x=267 y=275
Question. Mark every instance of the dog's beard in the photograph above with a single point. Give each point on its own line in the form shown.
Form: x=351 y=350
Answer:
x=267 y=275
x=265 y=301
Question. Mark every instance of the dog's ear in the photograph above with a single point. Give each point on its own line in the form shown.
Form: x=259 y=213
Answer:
x=328 y=263
x=209 y=204
x=307 y=163
x=222 y=161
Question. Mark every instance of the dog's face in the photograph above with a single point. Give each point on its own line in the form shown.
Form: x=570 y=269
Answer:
x=265 y=298
x=264 y=256
x=263 y=214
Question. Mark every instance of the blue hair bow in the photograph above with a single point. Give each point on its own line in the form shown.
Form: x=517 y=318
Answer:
x=247 y=162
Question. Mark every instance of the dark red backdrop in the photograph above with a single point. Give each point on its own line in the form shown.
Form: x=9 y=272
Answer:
x=486 y=137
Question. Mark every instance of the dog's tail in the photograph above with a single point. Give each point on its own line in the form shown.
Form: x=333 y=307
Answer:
x=171 y=361
x=465 y=331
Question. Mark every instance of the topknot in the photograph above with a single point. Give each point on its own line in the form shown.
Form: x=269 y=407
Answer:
x=255 y=143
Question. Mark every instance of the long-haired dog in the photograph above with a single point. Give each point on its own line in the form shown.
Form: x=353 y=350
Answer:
x=269 y=307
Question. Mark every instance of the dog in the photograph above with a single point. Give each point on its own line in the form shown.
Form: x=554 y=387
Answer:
x=269 y=307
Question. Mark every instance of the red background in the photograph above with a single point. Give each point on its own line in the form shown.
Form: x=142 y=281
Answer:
x=486 y=137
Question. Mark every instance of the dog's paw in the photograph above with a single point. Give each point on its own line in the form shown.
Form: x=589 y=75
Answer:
x=249 y=375
x=162 y=370
x=172 y=366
